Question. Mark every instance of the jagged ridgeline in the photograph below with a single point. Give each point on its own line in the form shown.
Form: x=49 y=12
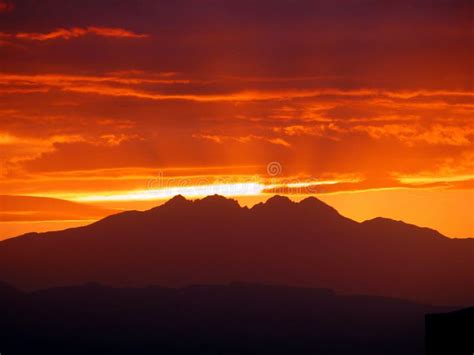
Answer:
x=214 y=240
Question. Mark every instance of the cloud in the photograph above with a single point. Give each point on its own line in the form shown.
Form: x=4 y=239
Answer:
x=136 y=118
x=64 y=80
x=412 y=134
x=13 y=90
x=168 y=86
x=15 y=150
x=6 y=6
x=329 y=130
x=216 y=138
x=74 y=32
x=326 y=90
x=115 y=32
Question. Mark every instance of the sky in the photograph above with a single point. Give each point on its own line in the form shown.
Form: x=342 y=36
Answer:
x=367 y=105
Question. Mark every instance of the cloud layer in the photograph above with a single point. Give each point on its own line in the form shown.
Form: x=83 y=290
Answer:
x=71 y=33
x=370 y=94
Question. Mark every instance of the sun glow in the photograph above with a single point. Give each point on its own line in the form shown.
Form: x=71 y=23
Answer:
x=239 y=189
x=252 y=187
x=434 y=179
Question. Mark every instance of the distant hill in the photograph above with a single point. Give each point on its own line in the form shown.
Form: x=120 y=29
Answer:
x=32 y=208
x=450 y=333
x=208 y=319
x=214 y=240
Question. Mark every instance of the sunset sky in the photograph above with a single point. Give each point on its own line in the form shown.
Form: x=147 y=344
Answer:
x=122 y=104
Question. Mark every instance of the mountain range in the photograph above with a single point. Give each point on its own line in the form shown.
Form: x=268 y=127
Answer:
x=235 y=318
x=215 y=241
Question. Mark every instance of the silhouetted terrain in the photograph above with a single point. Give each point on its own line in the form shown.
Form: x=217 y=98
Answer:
x=227 y=319
x=215 y=241
x=450 y=333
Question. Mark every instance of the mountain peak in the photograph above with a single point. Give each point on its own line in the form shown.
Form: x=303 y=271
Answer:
x=383 y=221
x=279 y=200
x=217 y=201
x=311 y=201
x=314 y=203
x=178 y=200
x=395 y=227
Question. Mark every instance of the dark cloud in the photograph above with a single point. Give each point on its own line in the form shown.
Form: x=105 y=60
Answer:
x=364 y=44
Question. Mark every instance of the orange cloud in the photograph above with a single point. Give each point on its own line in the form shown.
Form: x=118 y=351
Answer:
x=242 y=95
x=115 y=32
x=410 y=134
x=18 y=148
x=328 y=130
x=75 y=32
x=65 y=79
x=22 y=90
x=134 y=84
x=216 y=138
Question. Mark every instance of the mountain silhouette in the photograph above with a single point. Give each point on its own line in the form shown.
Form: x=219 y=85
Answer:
x=237 y=318
x=215 y=241
x=450 y=333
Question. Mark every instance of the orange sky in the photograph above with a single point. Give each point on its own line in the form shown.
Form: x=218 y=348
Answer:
x=367 y=105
